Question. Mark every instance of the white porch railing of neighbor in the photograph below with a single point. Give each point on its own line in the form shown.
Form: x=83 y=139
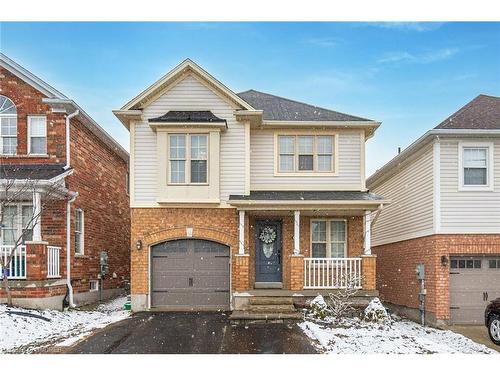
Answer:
x=332 y=273
x=53 y=261
x=17 y=266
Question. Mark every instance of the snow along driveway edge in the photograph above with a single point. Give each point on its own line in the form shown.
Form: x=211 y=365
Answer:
x=24 y=334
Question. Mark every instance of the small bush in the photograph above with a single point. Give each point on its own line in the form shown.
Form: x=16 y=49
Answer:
x=319 y=308
x=375 y=312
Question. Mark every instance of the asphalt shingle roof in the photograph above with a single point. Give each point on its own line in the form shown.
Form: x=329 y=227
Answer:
x=188 y=116
x=483 y=112
x=31 y=171
x=282 y=109
x=281 y=195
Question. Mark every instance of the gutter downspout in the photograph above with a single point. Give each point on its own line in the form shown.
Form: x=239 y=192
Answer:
x=377 y=213
x=68 y=249
x=68 y=148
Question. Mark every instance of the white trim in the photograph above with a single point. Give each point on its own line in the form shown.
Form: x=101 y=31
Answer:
x=11 y=116
x=241 y=243
x=81 y=233
x=37 y=211
x=489 y=166
x=30 y=117
x=367 y=250
x=187 y=159
x=296 y=232
x=436 y=195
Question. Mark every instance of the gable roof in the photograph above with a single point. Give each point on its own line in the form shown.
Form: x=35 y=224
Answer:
x=187 y=66
x=57 y=100
x=482 y=112
x=277 y=108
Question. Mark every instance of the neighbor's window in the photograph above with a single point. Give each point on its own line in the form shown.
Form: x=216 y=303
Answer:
x=8 y=126
x=79 y=231
x=17 y=222
x=475 y=165
x=188 y=158
x=305 y=153
x=328 y=238
x=37 y=141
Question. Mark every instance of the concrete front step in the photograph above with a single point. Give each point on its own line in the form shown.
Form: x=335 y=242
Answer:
x=271 y=301
x=271 y=308
x=255 y=316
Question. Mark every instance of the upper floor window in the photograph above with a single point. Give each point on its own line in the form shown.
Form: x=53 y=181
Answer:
x=476 y=166
x=188 y=158
x=306 y=153
x=79 y=231
x=8 y=126
x=328 y=238
x=37 y=135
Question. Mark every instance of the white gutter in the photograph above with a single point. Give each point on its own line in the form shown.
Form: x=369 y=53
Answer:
x=68 y=148
x=68 y=249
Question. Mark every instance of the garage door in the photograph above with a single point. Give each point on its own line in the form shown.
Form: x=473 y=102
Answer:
x=190 y=275
x=474 y=281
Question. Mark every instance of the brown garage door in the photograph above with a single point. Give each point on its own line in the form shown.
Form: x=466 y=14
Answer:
x=474 y=281
x=190 y=275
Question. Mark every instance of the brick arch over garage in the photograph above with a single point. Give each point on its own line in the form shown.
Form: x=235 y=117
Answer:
x=201 y=233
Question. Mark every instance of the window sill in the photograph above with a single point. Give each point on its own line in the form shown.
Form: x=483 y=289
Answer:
x=81 y=256
x=305 y=174
x=475 y=188
x=28 y=156
x=187 y=184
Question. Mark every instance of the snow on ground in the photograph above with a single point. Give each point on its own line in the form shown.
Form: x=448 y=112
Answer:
x=400 y=336
x=27 y=334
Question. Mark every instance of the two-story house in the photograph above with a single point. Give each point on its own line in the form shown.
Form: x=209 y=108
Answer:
x=237 y=196
x=51 y=150
x=445 y=214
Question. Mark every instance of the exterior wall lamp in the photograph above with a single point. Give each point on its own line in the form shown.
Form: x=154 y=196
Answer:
x=138 y=245
x=444 y=260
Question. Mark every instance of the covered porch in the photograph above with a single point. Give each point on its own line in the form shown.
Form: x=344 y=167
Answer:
x=305 y=243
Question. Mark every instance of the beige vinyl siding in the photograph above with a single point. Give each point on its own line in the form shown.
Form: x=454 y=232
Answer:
x=467 y=211
x=349 y=176
x=410 y=191
x=189 y=94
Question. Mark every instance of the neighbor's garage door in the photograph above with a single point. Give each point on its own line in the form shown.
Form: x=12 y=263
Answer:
x=190 y=275
x=473 y=282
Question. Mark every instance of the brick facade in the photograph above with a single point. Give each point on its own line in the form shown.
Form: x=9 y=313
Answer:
x=99 y=177
x=396 y=264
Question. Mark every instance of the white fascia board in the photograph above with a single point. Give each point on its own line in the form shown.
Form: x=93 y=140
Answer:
x=301 y=203
x=30 y=78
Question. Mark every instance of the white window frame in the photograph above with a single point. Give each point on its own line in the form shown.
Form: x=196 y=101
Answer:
x=489 y=166
x=96 y=288
x=329 y=236
x=29 y=135
x=1 y=136
x=187 y=159
x=314 y=171
x=19 y=223
x=81 y=233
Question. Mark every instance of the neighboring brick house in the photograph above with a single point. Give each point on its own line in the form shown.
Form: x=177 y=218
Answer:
x=237 y=196
x=445 y=214
x=91 y=184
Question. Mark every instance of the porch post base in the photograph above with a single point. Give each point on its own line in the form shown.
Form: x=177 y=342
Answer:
x=240 y=271
x=369 y=272
x=297 y=272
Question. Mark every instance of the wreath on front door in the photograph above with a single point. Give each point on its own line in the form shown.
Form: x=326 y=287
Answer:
x=268 y=235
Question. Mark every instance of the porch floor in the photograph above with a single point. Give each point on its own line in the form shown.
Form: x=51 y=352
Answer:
x=298 y=293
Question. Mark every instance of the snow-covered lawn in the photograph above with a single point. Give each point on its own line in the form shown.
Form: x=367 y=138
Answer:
x=401 y=336
x=24 y=334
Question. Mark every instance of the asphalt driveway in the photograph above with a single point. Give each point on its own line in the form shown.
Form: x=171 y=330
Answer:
x=203 y=333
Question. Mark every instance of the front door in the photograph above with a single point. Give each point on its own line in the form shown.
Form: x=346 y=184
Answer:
x=268 y=251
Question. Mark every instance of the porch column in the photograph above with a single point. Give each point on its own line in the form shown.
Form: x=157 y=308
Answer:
x=37 y=224
x=367 y=240
x=241 y=247
x=296 y=233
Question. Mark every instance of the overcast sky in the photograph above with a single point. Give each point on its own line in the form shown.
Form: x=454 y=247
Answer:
x=409 y=76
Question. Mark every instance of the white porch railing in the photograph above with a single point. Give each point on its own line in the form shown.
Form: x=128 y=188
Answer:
x=17 y=266
x=53 y=261
x=332 y=273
